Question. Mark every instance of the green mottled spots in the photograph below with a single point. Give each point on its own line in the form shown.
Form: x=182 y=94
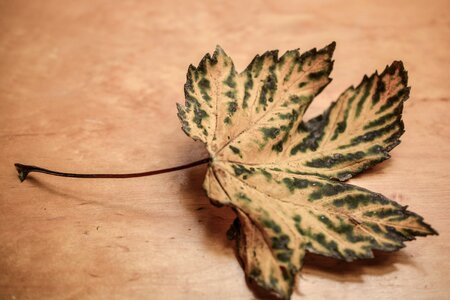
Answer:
x=227 y=120
x=270 y=133
x=291 y=66
x=296 y=183
x=273 y=281
x=190 y=100
x=183 y=118
x=320 y=238
x=383 y=119
x=280 y=242
x=372 y=135
x=338 y=202
x=373 y=226
x=393 y=234
x=243 y=197
x=340 y=128
x=188 y=86
x=232 y=107
x=335 y=159
x=343 y=228
x=247 y=87
x=325 y=220
x=236 y=151
x=257 y=65
x=315 y=129
x=389 y=247
x=355 y=200
x=391 y=101
x=231 y=95
x=240 y=169
x=204 y=87
x=272 y=225
x=266 y=174
x=230 y=79
x=300 y=99
x=302 y=84
x=317 y=75
x=268 y=89
x=278 y=147
x=315 y=196
x=327 y=190
x=204 y=84
x=292 y=117
x=284 y=256
x=387 y=213
x=202 y=69
x=285 y=104
x=380 y=88
x=295 y=99
x=362 y=100
x=287 y=116
x=330 y=246
x=181 y=112
x=350 y=254
x=192 y=72
x=199 y=115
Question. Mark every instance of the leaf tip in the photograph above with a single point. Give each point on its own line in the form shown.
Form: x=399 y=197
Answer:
x=331 y=47
x=219 y=49
x=398 y=67
x=328 y=50
x=397 y=64
x=191 y=68
x=430 y=230
x=272 y=54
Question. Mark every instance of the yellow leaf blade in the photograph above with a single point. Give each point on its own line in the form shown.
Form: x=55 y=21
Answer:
x=283 y=175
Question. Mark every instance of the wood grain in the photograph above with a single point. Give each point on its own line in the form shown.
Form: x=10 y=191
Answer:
x=91 y=86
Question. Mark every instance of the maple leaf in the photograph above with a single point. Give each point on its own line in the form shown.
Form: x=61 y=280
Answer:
x=283 y=176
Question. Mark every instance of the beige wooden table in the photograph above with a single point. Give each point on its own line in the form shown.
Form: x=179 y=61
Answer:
x=91 y=86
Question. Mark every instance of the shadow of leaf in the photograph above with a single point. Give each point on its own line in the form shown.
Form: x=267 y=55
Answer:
x=217 y=221
x=338 y=270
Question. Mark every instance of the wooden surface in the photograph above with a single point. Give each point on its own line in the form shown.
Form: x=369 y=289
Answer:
x=91 y=86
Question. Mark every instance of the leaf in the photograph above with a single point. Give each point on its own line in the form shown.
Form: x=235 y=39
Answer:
x=282 y=175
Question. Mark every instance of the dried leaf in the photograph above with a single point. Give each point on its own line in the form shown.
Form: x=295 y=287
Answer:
x=282 y=175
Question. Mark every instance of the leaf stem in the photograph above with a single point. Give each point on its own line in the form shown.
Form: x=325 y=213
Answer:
x=24 y=170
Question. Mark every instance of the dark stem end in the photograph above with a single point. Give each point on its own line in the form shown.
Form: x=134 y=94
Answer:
x=23 y=171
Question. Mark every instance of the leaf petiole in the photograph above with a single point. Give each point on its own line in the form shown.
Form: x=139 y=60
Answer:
x=24 y=170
